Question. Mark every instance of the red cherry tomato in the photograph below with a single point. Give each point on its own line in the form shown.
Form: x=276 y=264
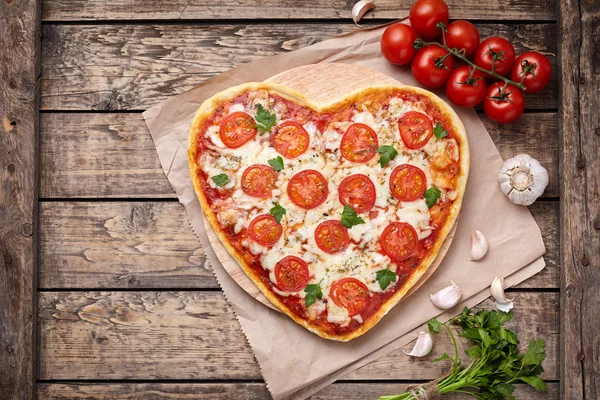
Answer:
x=497 y=51
x=307 y=189
x=351 y=294
x=358 y=192
x=432 y=66
x=415 y=129
x=290 y=139
x=464 y=89
x=399 y=241
x=236 y=129
x=424 y=16
x=258 y=180
x=359 y=143
x=331 y=236
x=503 y=104
x=407 y=182
x=397 y=43
x=535 y=68
x=291 y=274
x=462 y=35
x=265 y=230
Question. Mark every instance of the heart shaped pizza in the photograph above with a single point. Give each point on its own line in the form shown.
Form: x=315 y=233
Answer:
x=333 y=210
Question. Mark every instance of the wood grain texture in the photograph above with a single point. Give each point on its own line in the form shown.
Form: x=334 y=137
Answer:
x=194 y=335
x=120 y=245
x=130 y=245
x=241 y=391
x=115 y=156
x=579 y=45
x=19 y=104
x=69 y=10
x=133 y=67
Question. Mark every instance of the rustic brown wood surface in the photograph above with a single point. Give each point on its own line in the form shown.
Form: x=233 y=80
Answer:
x=194 y=335
x=109 y=221
x=19 y=103
x=266 y=9
x=579 y=25
x=132 y=67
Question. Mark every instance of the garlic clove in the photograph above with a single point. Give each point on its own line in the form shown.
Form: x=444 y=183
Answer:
x=447 y=298
x=423 y=345
x=502 y=303
x=523 y=179
x=360 y=9
x=479 y=246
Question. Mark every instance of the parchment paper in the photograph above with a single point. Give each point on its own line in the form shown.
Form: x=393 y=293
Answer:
x=294 y=362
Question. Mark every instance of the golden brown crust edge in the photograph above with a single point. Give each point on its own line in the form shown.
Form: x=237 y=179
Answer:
x=209 y=106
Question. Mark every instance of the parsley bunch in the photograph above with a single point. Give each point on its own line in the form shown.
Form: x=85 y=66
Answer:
x=497 y=363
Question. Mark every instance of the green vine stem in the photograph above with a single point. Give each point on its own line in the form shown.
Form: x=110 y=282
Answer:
x=419 y=44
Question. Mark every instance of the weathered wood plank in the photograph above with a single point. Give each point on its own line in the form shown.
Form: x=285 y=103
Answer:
x=120 y=245
x=109 y=245
x=579 y=30
x=194 y=335
x=132 y=67
x=113 y=156
x=224 y=391
x=69 y=10
x=19 y=128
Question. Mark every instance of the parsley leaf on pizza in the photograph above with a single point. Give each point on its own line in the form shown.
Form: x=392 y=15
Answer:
x=277 y=212
x=221 y=180
x=388 y=153
x=313 y=292
x=350 y=218
x=432 y=195
x=385 y=277
x=264 y=119
x=439 y=132
x=276 y=163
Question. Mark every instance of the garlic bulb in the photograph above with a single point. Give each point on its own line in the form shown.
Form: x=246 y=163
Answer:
x=423 y=345
x=447 y=298
x=479 y=246
x=523 y=179
x=502 y=303
x=360 y=9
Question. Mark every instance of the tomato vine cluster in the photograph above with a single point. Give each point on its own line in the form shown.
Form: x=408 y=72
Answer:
x=472 y=71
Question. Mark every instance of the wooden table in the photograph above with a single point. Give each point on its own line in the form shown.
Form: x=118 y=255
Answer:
x=104 y=289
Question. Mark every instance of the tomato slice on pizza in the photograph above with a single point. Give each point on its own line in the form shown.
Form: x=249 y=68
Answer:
x=322 y=201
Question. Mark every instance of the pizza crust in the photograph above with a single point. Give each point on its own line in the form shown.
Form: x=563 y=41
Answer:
x=210 y=105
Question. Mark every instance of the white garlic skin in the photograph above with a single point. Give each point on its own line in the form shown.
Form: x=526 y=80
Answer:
x=361 y=8
x=523 y=179
x=447 y=298
x=479 y=246
x=502 y=303
x=423 y=345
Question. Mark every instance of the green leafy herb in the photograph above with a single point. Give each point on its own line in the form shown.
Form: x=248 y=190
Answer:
x=220 y=180
x=385 y=277
x=276 y=163
x=388 y=153
x=432 y=195
x=277 y=212
x=313 y=292
x=497 y=364
x=350 y=218
x=439 y=131
x=264 y=119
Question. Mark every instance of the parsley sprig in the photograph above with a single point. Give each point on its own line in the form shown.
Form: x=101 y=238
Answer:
x=439 y=132
x=277 y=212
x=313 y=292
x=264 y=119
x=388 y=153
x=220 y=180
x=385 y=277
x=432 y=195
x=276 y=163
x=497 y=364
x=350 y=218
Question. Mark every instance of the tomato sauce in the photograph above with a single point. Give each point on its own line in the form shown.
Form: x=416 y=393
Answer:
x=301 y=114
